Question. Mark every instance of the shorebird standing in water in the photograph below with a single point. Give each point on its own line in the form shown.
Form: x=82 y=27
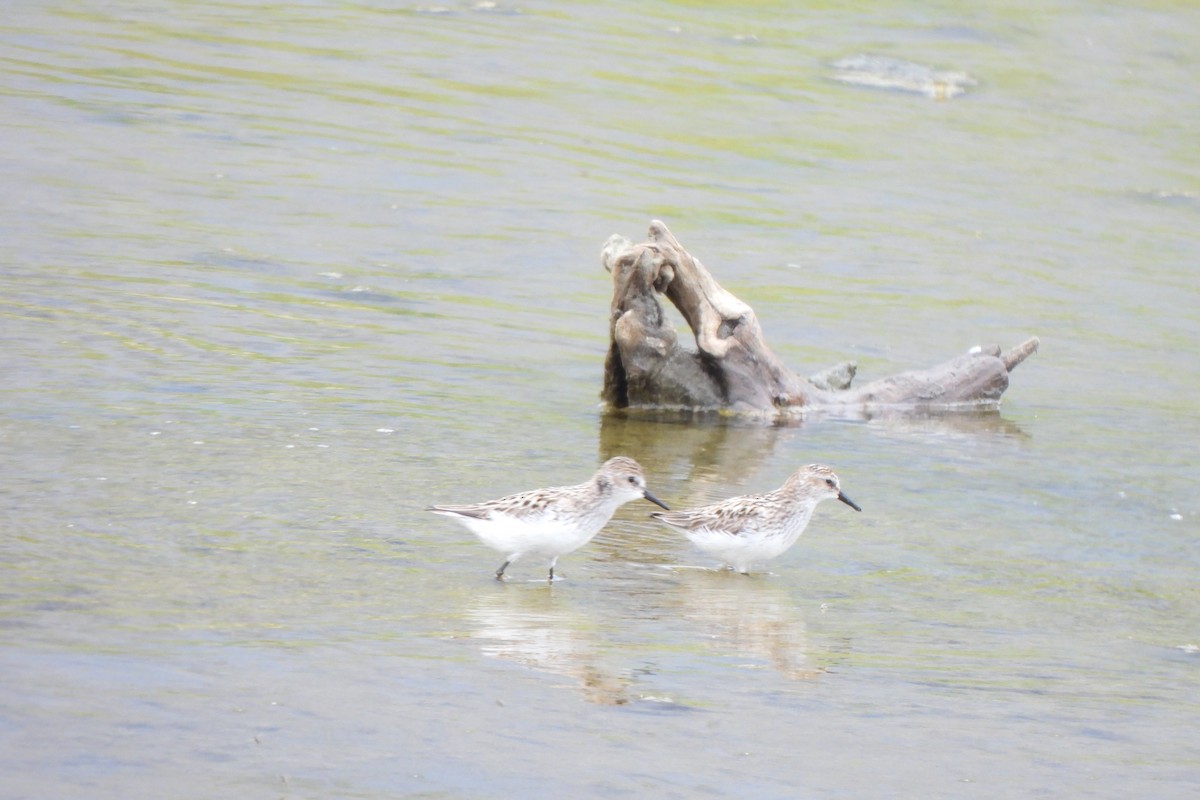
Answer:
x=758 y=527
x=553 y=522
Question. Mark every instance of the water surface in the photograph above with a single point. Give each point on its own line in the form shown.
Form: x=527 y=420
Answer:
x=275 y=278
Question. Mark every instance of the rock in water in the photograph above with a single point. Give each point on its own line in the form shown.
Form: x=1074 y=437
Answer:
x=881 y=72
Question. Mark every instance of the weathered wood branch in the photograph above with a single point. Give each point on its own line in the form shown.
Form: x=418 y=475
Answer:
x=732 y=366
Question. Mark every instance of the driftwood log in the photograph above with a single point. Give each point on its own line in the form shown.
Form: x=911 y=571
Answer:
x=732 y=368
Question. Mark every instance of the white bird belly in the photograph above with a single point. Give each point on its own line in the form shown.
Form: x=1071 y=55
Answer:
x=740 y=548
x=547 y=535
x=748 y=546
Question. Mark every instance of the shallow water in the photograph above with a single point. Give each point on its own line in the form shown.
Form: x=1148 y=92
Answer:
x=276 y=278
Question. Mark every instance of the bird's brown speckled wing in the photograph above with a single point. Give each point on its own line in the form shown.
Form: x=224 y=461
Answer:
x=531 y=503
x=737 y=515
x=536 y=502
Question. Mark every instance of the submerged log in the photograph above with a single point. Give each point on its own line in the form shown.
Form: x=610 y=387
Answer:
x=732 y=368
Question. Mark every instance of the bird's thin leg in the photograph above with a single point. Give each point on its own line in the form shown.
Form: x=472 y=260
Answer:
x=500 y=572
x=553 y=561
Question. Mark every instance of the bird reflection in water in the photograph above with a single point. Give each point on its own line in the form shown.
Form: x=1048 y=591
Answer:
x=539 y=630
x=749 y=619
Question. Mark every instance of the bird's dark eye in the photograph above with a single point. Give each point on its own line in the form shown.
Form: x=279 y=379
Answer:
x=632 y=480
x=829 y=481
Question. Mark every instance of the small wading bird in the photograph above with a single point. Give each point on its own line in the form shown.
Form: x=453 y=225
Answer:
x=552 y=522
x=758 y=527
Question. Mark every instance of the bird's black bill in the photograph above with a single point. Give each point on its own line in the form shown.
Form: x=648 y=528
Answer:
x=655 y=500
x=848 y=501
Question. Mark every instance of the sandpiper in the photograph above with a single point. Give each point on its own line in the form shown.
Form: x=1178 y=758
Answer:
x=757 y=527
x=555 y=521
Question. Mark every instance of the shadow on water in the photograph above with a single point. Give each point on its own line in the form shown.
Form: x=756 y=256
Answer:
x=547 y=631
x=982 y=418
x=979 y=422
x=747 y=617
x=715 y=615
x=701 y=447
x=688 y=449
